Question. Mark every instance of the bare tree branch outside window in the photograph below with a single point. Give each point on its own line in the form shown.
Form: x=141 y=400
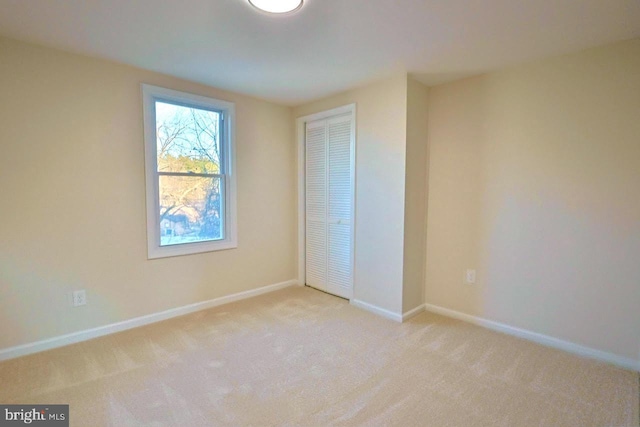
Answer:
x=191 y=179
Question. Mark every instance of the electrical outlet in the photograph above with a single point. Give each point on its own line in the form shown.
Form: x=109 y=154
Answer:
x=79 y=298
x=470 y=277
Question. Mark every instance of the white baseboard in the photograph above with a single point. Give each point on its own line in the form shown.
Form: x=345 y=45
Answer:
x=62 y=340
x=376 y=310
x=411 y=313
x=387 y=313
x=549 y=341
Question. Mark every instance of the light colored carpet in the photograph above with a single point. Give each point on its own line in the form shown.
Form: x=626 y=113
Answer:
x=298 y=357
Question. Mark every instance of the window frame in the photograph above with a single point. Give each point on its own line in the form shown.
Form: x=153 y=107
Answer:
x=151 y=94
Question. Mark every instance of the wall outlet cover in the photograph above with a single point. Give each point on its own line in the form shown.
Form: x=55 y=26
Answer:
x=79 y=298
x=470 y=277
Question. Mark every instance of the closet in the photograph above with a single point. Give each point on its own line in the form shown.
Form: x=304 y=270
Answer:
x=329 y=194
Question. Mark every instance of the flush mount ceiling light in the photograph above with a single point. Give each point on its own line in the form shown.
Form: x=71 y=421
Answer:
x=277 y=6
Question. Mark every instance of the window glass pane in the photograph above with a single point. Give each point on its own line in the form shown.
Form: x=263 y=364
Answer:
x=190 y=209
x=188 y=139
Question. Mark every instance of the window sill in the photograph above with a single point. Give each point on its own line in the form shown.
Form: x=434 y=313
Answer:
x=157 y=252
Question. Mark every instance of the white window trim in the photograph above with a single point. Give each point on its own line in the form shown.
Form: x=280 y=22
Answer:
x=151 y=94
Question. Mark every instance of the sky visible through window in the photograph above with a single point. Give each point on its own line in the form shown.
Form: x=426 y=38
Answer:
x=189 y=169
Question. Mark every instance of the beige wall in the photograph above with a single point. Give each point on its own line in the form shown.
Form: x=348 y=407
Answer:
x=380 y=175
x=535 y=182
x=72 y=210
x=415 y=196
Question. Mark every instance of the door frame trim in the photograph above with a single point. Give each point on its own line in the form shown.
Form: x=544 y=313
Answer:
x=300 y=135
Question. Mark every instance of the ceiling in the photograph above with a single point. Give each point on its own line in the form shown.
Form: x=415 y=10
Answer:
x=326 y=47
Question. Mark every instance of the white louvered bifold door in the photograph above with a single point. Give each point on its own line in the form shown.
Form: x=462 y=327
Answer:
x=339 y=264
x=329 y=194
x=316 y=204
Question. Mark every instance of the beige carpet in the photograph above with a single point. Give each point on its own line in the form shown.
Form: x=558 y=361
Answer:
x=299 y=357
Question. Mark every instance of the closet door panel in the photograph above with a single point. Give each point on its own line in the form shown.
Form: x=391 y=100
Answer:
x=339 y=265
x=339 y=142
x=340 y=277
x=329 y=204
x=316 y=205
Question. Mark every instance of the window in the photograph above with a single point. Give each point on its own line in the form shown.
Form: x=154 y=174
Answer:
x=189 y=159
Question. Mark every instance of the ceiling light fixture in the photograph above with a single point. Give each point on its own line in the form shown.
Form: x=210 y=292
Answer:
x=277 y=6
